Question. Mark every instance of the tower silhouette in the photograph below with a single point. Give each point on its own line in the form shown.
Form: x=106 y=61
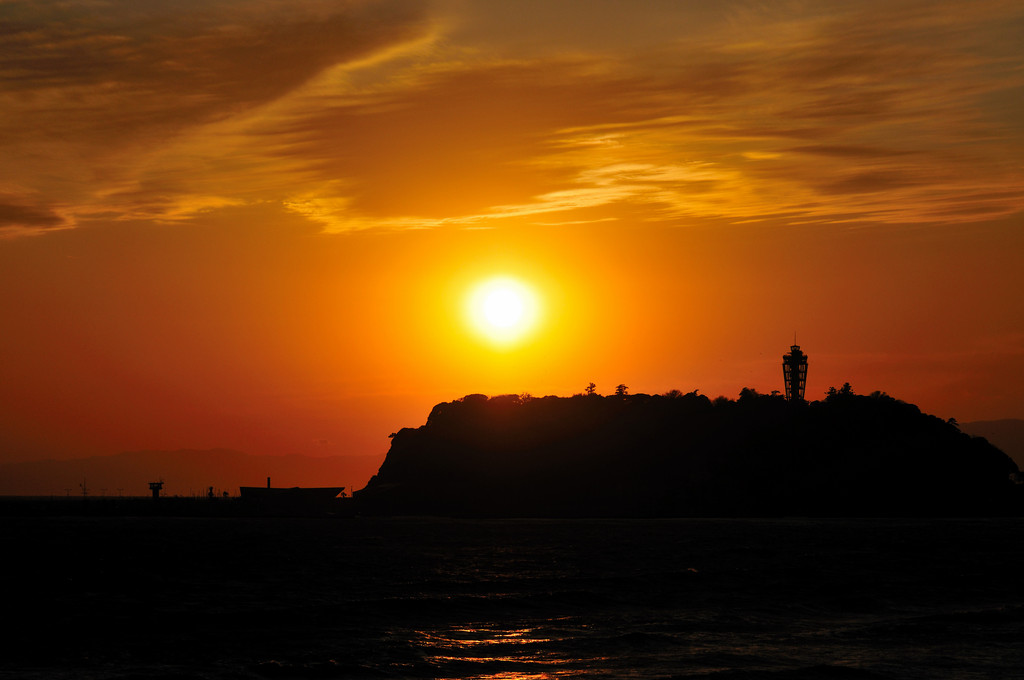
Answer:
x=794 y=372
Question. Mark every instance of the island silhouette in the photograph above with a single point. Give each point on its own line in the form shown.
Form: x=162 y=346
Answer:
x=683 y=454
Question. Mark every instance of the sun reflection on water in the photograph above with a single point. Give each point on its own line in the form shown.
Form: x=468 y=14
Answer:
x=501 y=652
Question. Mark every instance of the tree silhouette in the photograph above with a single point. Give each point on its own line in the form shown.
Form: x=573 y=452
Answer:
x=621 y=390
x=591 y=387
x=845 y=392
x=748 y=394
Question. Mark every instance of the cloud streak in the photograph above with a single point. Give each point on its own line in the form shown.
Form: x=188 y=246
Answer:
x=368 y=116
x=94 y=98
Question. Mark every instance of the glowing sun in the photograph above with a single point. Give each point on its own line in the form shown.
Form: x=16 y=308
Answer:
x=503 y=310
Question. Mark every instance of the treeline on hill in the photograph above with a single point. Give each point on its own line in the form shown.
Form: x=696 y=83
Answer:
x=686 y=455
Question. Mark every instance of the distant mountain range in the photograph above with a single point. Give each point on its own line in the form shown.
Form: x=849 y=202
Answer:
x=184 y=472
x=1007 y=435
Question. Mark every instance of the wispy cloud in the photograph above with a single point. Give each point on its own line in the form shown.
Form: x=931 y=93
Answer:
x=95 y=94
x=367 y=116
x=28 y=219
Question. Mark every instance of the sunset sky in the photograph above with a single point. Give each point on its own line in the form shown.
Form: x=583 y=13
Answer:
x=259 y=224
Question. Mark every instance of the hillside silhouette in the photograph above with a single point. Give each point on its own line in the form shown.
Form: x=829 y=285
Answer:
x=686 y=455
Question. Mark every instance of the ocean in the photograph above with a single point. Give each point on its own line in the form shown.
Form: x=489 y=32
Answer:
x=159 y=597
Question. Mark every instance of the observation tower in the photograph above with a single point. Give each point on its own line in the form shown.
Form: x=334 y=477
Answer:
x=794 y=372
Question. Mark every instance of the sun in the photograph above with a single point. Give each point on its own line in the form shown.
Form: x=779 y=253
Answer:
x=503 y=310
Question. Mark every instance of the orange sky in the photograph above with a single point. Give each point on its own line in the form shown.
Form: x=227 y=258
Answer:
x=253 y=224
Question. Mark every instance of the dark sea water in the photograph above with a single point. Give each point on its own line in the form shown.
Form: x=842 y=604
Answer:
x=432 y=598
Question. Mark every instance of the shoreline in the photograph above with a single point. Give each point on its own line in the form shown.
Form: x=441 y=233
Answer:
x=166 y=506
